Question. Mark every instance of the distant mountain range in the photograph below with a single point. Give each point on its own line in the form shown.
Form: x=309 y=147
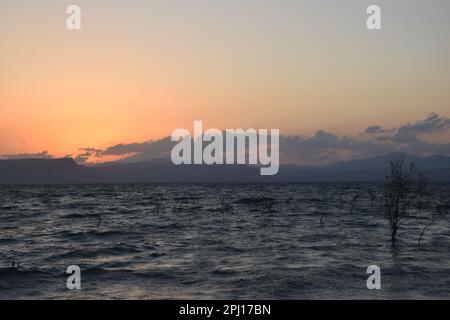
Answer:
x=67 y=171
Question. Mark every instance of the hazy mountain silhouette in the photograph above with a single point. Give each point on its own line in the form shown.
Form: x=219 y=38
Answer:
x=67 y=171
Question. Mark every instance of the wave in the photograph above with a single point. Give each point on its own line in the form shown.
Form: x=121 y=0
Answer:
x=261 y=200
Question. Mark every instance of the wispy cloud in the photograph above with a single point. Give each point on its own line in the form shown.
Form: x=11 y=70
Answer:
x=321 y=148
x=410 y=133
x=40 y=155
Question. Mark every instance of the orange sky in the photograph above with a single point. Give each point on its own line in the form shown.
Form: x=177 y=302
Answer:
x=138 y=71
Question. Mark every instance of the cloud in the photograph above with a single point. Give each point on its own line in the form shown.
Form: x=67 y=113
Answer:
x=40 y=155
x=323 y=139
x=321 y=148
x=326 y=147
x=410 y=133
x=374 y=129
x=87 y=154
x=140 y=151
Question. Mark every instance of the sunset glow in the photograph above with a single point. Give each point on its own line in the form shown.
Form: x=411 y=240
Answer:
x=137 y=74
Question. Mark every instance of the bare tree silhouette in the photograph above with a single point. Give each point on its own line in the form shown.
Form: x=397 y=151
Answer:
x=403 y=192
x=439 y=212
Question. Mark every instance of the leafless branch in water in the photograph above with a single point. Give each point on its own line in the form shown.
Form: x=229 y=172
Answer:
x=438 y=214
x=404 y=190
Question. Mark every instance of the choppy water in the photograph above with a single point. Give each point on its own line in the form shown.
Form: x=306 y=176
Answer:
x=214 y=241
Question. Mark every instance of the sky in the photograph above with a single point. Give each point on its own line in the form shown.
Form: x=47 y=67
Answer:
x=137 y=70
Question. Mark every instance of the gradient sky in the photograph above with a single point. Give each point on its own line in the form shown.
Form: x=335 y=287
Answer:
x=140 y=69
